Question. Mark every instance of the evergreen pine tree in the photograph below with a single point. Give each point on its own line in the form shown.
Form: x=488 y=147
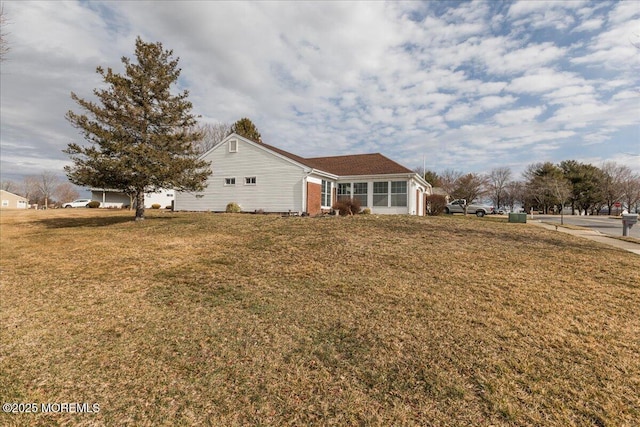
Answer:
x=141 y=136
x=245 y=127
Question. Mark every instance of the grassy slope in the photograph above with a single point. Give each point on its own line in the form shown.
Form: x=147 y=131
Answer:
x=190 y=319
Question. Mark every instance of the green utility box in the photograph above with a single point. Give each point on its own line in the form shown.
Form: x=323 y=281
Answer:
x=518 y=217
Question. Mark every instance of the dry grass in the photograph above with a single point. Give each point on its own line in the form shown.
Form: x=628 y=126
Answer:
x=203 y=319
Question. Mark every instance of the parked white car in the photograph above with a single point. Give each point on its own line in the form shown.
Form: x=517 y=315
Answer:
x=78 y=203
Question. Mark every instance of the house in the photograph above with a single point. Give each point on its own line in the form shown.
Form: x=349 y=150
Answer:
x=261 y=177
x=118 y=199
x=12 y=201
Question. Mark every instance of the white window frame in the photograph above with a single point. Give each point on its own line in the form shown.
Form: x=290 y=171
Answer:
x=345 y=186
x=393 y=200
x=248 y=180
x=385 y=194
x=326 y=193
x=357 y=195
x=233 y=145
x=230 y=181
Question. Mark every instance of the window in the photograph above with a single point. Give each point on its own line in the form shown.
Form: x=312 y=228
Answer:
x=229 y=181
x=381 y=194
x=344 y=191
x=233 y=146
x=398 y=193
x=325 y=195
x=249 y=180
x=360 y=193
x=5 y=203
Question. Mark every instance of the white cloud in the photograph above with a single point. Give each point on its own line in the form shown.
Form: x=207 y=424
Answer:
x=543 y=80
x=541 y=14
x=614 y=48
x=492 y=102
x=521 y=60
x=623 y=11
x=522 y=115
x=572 y=95
x=590 y=25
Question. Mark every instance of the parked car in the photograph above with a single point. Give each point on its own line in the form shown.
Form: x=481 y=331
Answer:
x=457 y=206
x=78 y=203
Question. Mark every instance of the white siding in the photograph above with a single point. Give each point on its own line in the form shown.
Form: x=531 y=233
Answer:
x=163 y=198
x=278 y=185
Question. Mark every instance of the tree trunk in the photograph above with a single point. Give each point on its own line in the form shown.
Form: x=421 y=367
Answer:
x=139 y=205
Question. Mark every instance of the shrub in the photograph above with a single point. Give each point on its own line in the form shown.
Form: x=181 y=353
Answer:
x=233 y=207
x=155 y=206
x=347 y=206
x=436 y=204
x=366 y=211
x=93 y=204
x=168 y=207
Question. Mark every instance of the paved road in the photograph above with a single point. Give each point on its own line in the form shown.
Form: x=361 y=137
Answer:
x=604 y=224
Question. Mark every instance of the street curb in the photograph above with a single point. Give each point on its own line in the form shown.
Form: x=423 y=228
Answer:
x=592 y=235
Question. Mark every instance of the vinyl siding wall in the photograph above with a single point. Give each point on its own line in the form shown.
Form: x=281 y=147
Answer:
x=278 y=187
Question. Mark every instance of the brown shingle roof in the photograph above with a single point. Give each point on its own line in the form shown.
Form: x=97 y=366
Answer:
x=355 y=164
x=286 y=154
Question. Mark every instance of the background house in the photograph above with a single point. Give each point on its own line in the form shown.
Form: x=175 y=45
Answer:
x=118 y=199
x=259 y=176
x=12 y=201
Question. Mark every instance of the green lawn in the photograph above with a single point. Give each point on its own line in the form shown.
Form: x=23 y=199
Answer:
x=233 y=319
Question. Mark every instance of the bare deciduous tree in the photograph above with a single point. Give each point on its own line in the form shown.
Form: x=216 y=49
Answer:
x=212 y=133
x=515 y=193
x=66 y=192
x=612 y=189
x=470 y=187
x=448 y=180
x=630 y=183
x=46 y=184
x=497 y=183
x=8 y=185
x=30 y=188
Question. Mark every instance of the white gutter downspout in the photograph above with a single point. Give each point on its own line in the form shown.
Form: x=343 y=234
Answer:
x=304 y=192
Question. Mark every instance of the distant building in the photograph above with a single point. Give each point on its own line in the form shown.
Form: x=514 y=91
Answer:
x=12 y=201
x=117 y=199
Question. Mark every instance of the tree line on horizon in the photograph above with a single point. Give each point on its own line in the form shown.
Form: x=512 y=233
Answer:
x=546 y=187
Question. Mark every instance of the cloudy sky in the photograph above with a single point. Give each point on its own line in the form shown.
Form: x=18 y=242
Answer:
x=468 y=86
